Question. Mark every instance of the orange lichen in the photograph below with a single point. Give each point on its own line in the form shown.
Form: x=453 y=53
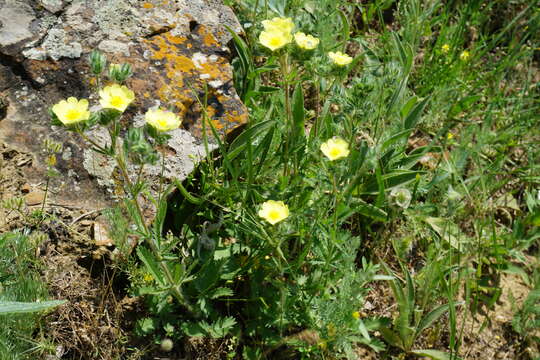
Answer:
x=175 y=39
x=147 y=5
x=179 y=80
x=208 y=38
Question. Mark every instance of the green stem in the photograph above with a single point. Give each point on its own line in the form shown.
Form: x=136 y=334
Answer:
x=148 y=235
x=93 y=143
x=284 y=65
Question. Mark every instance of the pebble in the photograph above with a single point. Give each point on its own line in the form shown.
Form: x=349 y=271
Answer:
x=25 y=189
x=101 y=235
x=34 y=198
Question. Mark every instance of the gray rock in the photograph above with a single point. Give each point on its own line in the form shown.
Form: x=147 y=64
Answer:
x=174 y=48
x=15 y=20
x=114 y=47
x=35 y=53
x=53 y=6
x=57 y=46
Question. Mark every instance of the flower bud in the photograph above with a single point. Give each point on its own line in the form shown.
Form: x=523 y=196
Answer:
x=97 y=62
x=167 y=345
x=401 y=197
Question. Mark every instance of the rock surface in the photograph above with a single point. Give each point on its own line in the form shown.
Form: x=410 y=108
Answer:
x=178 y=53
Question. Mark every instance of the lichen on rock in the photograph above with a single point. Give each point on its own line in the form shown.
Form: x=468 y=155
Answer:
x=178 y=53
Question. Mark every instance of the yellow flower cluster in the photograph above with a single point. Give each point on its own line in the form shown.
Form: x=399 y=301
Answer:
x=275 y=211
x=278 y=32
x=118 y=97
x=465 y=55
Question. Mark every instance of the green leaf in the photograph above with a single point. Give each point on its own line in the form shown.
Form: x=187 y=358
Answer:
x=405 y=110
x=268 y=89
x=221 y=292
x=401 y=135
x=434 y=354
x=369 y=210
x=463 y=104
x=405 y=54
x=431 y=317
x=151 y=264
x=391 y=337
x=390 y=181
x=412 y=118
x=16 y=307
x=447 y=230
x=363 y=330
x=239 y=144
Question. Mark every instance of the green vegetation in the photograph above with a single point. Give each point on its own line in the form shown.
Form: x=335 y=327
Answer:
x=22 y=294
x=410 y=169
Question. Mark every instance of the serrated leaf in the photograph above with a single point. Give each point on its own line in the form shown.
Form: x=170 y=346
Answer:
x=151 y=264
x=221 y=292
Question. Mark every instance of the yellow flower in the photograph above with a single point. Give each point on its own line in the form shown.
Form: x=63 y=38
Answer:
x=274 y=211
x=284 y=25
x=335 y=148
x=71 y=111
x=274 y=39
x=308 y=42
x=465 y=55
x=116 y=97
x=340 y=58
x=148 y=277
x=445 y=48
x=356 y=315
x=450 y=136
x=162 y=120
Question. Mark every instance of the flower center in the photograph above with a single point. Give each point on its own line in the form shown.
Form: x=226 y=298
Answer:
x=73 y=114
x=116 y=101
x=335 y=152
x=274 y=215
x=275 y=41
x=162 y=122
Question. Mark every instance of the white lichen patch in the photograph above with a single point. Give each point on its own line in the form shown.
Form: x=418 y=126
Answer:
x=198 y=59
x=56 y=46
x=215 y=83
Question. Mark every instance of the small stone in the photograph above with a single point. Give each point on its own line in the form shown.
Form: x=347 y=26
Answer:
x=53 y=6
x=101 y=235
x=25 y=189
x=34 y=198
